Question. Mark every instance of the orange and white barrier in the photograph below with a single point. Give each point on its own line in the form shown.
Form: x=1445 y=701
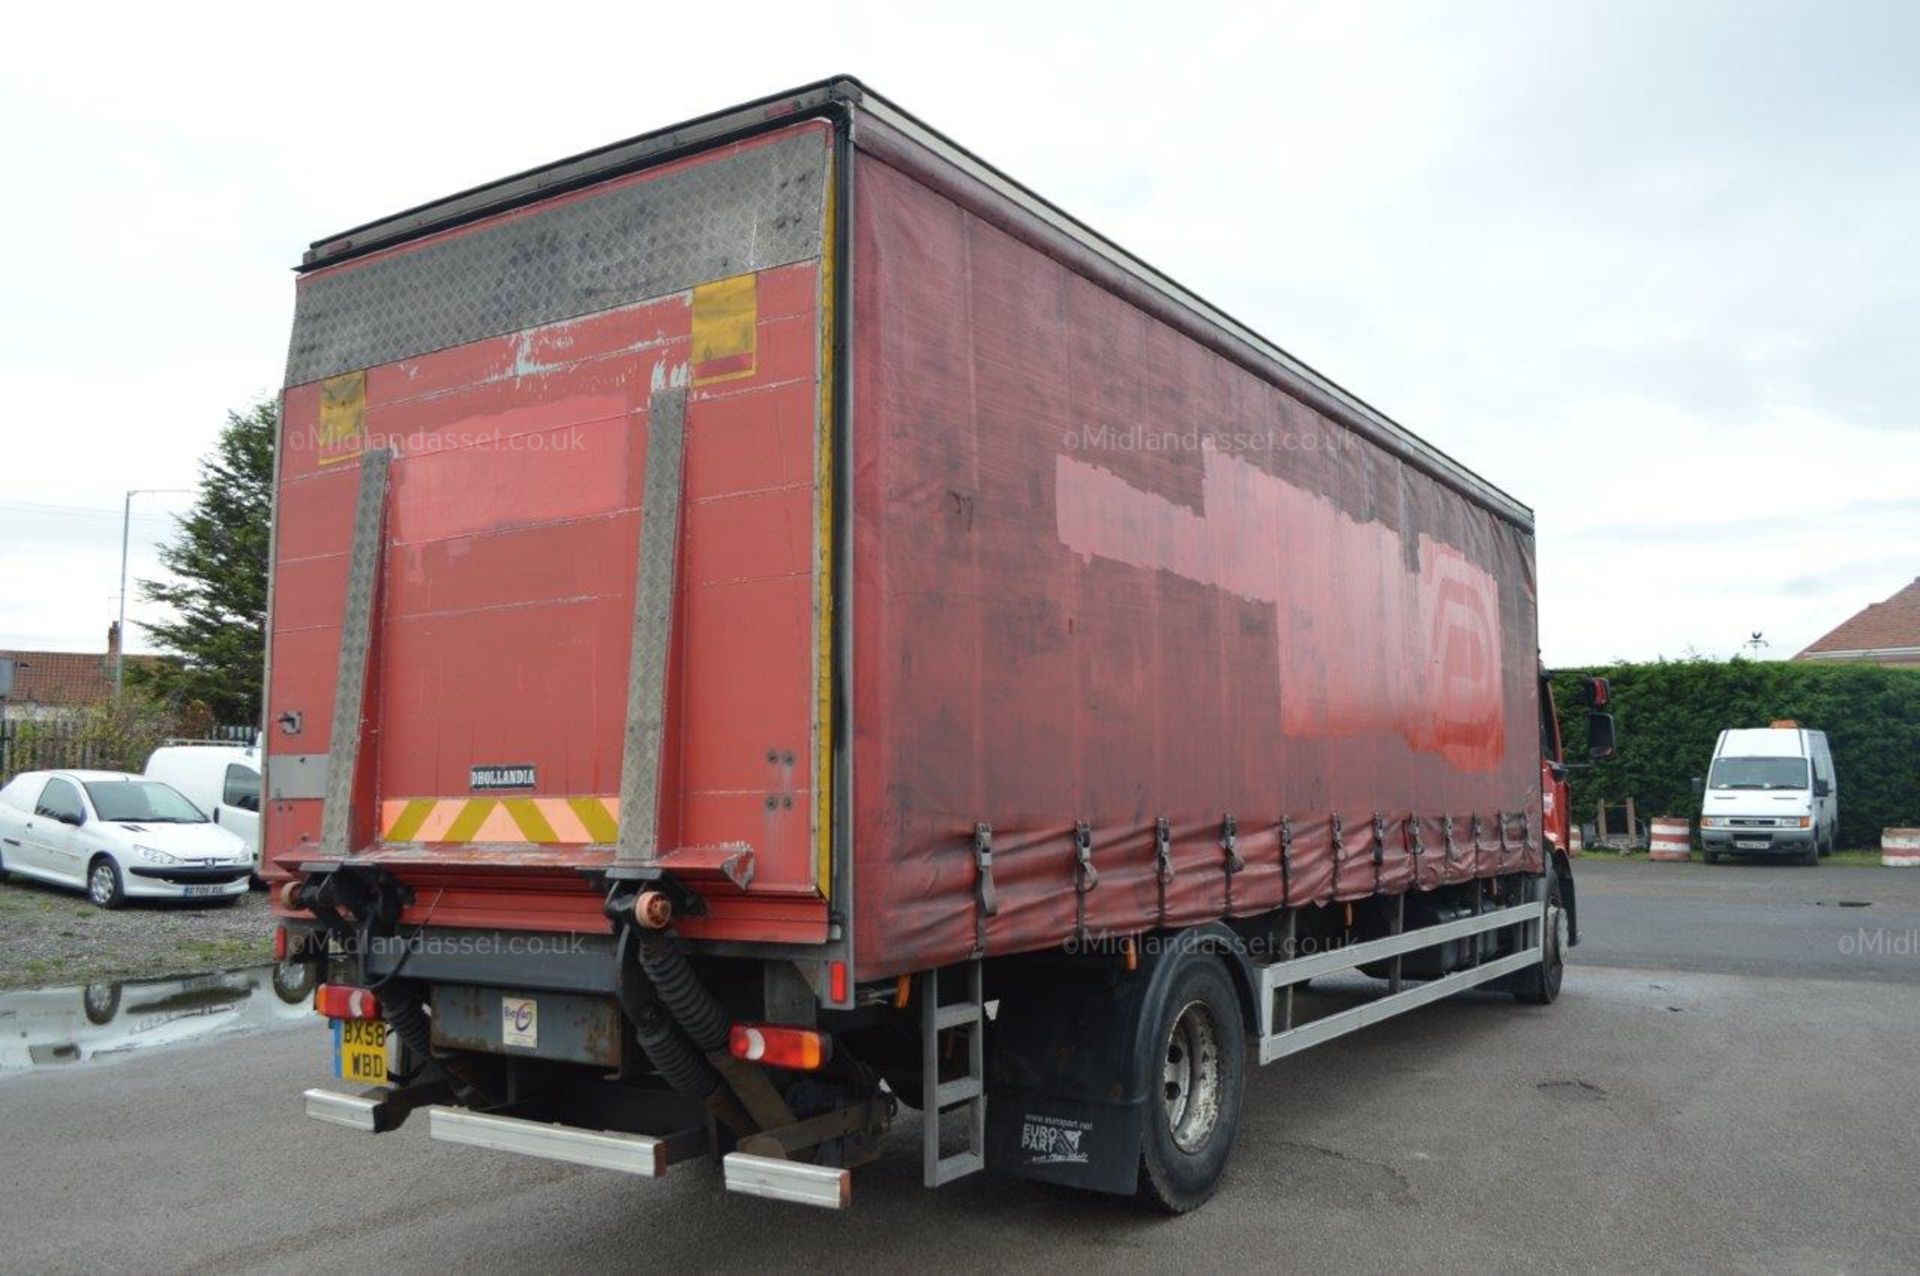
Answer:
x=1900 y=848
x=1672 y=839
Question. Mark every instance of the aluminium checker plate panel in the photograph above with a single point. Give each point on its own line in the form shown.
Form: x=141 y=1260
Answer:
x=655 y=235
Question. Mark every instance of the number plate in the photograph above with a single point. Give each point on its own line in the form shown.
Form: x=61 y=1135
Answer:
x=360 y=1050
x=1751 y=843
x=192 y=891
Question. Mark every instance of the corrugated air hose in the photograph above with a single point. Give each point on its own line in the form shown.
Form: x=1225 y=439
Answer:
x=407 y=1015
x=700 y=1016
x=409 y=1018
x=683 y=1067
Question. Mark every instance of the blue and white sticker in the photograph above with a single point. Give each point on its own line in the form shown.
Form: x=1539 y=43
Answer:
x=520 y=1022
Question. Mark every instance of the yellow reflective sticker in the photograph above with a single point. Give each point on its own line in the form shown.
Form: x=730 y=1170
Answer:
x=343 y=416
x=468 y=822
x=724 y=315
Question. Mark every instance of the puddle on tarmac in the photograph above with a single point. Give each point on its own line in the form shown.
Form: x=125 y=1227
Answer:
x=45 y=1027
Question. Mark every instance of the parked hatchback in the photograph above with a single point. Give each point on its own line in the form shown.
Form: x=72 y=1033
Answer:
x=117 y=837
x=219 y=777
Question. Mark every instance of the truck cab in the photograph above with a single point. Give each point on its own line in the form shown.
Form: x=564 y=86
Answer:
x=1770 y=791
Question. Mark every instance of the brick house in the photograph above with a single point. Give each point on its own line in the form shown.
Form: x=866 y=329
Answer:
x=1885 y=633
x=49 y=685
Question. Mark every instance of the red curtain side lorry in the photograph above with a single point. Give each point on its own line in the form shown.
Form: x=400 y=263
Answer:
x=772 y=621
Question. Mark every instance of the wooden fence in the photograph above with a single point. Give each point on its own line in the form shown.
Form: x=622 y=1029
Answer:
x=66 y=744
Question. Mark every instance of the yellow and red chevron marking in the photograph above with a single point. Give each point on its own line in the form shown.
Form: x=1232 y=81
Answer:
x=548 y=821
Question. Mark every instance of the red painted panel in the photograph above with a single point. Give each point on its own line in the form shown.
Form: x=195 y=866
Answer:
x=530 y=565
x=309 y=593
x=479 y=368
x=754 y=439
x=577 y=467
x=315 y=513
x=750 y=536
x=304 y=665
x=516 y=684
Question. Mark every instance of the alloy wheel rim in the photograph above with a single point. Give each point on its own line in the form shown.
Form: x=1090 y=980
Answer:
x=1190 y=1077
x=102 y=884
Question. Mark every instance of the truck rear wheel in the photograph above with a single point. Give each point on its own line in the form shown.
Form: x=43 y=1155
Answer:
x=1197 y=1082
x=1540 y=985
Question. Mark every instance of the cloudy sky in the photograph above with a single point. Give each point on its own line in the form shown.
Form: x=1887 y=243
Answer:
x=1652 y=268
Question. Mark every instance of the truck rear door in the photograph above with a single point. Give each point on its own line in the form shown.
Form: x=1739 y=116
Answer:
x=536 y=380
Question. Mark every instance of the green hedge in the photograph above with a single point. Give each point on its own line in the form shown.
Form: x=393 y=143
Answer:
x=1670 y=713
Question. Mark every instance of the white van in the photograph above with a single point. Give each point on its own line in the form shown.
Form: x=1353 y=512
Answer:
x=219 y=777
x=1770 y=791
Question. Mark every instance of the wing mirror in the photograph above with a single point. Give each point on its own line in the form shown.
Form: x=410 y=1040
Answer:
x=75 y=818
x=1823 y=788
x=1699 y=787
x=1601 y=744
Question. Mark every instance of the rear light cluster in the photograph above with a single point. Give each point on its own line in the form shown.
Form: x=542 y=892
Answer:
x=837 y=982
x=779 y=1046
x=339 y=1001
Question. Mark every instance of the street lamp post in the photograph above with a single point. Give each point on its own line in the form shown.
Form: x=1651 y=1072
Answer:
x=126 y=526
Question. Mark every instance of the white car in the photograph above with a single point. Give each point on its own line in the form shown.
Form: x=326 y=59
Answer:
x=117 y=837
x=220 y=778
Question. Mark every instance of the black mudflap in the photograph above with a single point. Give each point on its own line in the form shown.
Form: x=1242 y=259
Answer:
x=1068 y=1063
x=1087 y=1145
x=1064 y=1103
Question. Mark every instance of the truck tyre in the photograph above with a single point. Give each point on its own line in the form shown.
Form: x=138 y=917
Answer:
x=1540 y=985
x=1811 y=856
x=1193 y=1108
x=1710 y=857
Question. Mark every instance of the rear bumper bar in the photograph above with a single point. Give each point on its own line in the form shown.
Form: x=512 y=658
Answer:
x=825 y=1186
x=354 y=1111
x=372 y=1111
x=641 y=1154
